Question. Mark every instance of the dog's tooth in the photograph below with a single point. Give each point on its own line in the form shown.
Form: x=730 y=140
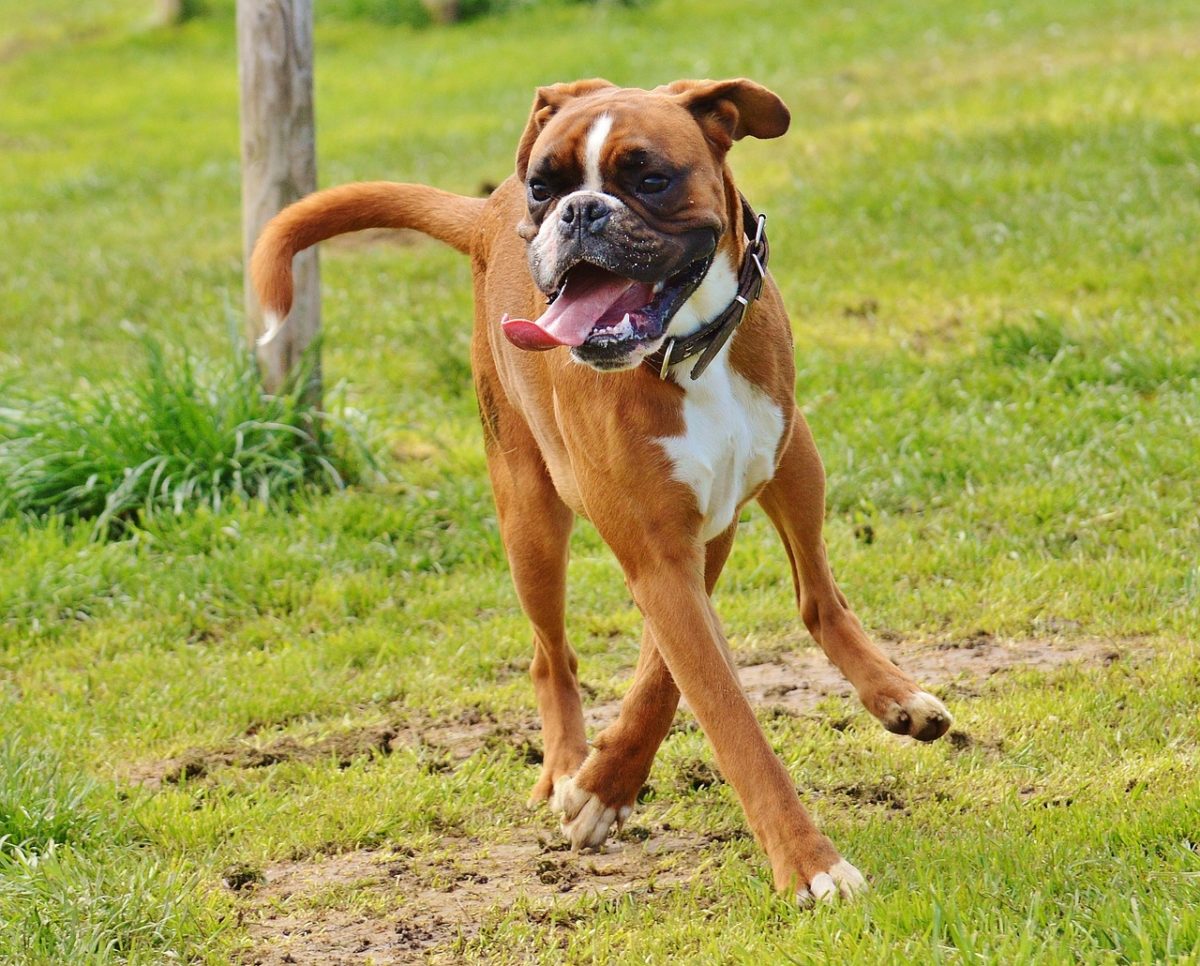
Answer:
x=658 y=286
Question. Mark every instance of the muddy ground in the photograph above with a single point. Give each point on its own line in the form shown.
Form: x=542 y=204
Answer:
x=417 y=908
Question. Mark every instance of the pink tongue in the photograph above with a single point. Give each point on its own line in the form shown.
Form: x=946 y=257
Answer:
x=588 y=296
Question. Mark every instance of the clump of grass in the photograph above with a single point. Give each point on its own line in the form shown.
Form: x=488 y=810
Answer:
x=1016 y=345
x=121 y=905
x=179 y=436
x=40 y=804
x=76 y=885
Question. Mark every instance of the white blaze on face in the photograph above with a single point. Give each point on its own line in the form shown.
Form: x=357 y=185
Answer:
x=543 y=249
x=596 y=136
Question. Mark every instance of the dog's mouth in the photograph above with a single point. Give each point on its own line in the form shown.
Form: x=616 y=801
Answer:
x=605 y=312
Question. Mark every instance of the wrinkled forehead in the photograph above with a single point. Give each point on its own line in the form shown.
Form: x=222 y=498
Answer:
x=609 y=129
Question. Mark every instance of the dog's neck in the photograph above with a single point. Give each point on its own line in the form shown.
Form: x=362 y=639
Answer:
x=710 y=299
x=720 y=285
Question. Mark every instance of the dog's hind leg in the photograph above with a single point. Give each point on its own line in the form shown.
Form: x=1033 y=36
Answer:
x=604 y=791
x=535 y=526
x=795 y=502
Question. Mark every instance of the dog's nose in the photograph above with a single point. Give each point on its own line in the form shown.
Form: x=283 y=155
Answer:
x=588 y=214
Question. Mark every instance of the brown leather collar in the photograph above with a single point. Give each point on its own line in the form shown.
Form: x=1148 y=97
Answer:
x=709 y=338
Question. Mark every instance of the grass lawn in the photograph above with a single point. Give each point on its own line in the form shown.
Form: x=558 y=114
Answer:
x=306 y=730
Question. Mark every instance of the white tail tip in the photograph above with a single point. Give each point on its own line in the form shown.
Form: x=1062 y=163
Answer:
x=272 y=325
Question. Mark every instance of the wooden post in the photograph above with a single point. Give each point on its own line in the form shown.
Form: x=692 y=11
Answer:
x=168 y=13
x=279 y=164
x=442 y=11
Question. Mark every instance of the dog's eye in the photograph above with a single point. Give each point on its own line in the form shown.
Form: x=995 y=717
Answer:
x=539 y=190
x=652 y=184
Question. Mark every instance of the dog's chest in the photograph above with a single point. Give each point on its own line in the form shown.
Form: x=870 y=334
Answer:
x=727 y=450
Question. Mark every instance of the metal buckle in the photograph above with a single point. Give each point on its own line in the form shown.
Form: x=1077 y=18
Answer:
x=666 y=363
x=758 y=231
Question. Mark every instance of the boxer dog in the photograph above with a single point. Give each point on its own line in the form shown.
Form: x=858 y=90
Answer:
x=663 y=403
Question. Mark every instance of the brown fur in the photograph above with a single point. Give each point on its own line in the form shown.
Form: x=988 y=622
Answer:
x=563 y=440
x=352 y=207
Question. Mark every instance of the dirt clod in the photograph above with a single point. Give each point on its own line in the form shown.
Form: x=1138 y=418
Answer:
x=696 y=775
x=873 y=794
x=197 y=763
x=243 y=876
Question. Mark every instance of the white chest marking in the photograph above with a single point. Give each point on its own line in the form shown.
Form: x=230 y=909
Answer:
x=731 y=433
x=732 y=428
x=596 y=136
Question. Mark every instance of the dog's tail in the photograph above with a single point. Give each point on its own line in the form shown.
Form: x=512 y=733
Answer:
x=449 y=218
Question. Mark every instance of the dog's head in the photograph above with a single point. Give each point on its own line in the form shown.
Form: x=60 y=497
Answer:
x=627 y=205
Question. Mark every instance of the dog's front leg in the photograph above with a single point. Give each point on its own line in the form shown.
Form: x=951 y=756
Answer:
x=667 y=580
x=604 y=791
x=795 y=502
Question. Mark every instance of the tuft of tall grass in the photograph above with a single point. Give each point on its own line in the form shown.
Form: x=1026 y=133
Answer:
x=76 y=883
x=180 y=435
x=41 y=805
x=122 y=904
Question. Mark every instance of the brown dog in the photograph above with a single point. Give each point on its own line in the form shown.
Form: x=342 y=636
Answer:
x=648 y=420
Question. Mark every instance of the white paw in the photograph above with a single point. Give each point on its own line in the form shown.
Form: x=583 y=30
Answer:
x=841 y=879
x=586 y=820
x=920 y=715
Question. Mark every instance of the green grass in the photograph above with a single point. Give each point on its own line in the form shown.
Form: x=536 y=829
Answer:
x=168 y=441
x=983 y=222
x=79 y=884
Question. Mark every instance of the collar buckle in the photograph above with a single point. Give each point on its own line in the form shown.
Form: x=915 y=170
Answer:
x=666 y=362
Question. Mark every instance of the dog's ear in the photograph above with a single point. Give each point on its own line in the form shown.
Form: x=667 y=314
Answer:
x=546 y=103
x=730 y=110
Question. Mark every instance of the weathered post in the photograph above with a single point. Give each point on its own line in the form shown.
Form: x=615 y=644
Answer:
x=279 y=164
x=167 y=13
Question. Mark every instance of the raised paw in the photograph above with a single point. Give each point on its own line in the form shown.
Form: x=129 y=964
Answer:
x=586 y=820
x=840 y=879
x=920 y=715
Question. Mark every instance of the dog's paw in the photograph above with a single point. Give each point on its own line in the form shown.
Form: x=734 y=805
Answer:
x=840 y=879
x=560 y=760
x=586 y=820
x=920 y=715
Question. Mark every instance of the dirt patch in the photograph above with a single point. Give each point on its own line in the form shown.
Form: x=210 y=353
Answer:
x=400 y=907
x=416 y=908
x=199 y=762
x=440 y=743
x=799 y=679
x=783 y=682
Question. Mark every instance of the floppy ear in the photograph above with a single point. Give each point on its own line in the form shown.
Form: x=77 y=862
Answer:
x=730 y=110
x=546 y=103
